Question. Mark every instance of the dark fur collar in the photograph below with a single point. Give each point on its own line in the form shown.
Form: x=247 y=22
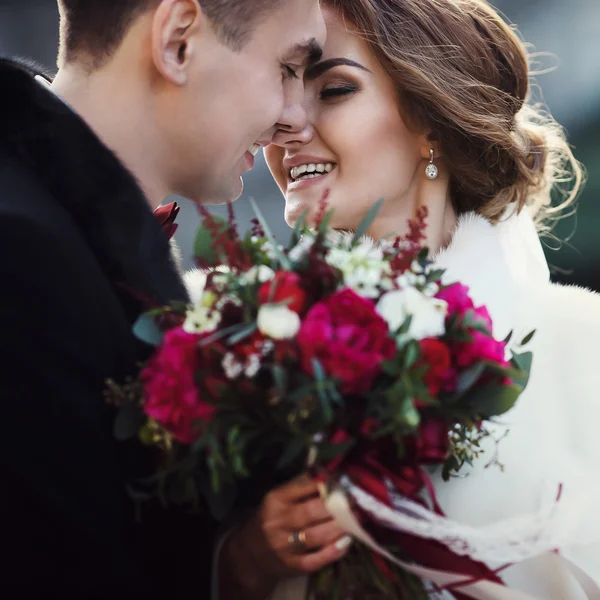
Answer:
x=88 y=180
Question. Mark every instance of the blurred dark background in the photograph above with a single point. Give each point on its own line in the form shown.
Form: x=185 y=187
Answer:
x=564 y=33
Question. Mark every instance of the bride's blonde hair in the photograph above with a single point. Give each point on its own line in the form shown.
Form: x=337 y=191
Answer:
x=463 y=75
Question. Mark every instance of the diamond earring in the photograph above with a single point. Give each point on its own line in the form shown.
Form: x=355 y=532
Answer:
x=431 y=171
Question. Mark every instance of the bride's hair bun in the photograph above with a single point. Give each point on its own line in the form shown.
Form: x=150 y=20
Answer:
x=462 y=74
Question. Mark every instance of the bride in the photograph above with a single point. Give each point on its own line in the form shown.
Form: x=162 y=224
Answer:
x=424 y=103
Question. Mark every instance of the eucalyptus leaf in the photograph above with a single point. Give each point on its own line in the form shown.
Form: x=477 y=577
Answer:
x=204 y=242
x=528 y=338
x=494 y=400
x=243 y=334
x=298 y=229
x=283 y=260
x=146 y=329
x=469 y=378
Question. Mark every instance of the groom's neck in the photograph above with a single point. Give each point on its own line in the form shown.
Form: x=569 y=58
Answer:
x=112 y=102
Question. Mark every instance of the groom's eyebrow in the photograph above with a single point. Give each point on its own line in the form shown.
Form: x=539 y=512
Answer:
x=310 y=50
x=315 y=71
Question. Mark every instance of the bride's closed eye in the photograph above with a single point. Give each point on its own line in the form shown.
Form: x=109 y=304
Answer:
x=338 y=91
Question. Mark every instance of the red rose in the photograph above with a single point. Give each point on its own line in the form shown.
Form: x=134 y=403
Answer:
x=432 y=443
x=171 y=395
x=436 y=356
x=348 y=337
x=285 y=287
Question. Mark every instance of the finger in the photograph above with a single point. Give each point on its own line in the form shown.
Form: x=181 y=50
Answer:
x=297 y=490
x=323 y=535
x=308 y=514
x=314 y=561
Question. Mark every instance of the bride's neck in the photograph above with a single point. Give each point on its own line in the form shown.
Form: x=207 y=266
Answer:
x=394 y=217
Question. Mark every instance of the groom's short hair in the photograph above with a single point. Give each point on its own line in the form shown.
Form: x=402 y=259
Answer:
x=97 y=27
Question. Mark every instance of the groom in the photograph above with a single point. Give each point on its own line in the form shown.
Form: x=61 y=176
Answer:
x=152 y=98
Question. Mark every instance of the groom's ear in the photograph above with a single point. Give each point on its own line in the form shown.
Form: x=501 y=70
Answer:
x=175 y=27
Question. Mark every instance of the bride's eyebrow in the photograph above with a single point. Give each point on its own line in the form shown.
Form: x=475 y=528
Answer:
x=315 y=71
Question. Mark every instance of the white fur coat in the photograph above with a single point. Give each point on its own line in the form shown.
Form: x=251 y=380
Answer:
x=554 y=430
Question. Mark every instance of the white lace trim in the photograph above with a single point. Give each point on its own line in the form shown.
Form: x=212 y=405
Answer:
x=509 y=541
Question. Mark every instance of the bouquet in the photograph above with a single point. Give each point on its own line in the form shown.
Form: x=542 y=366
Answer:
x=357 y=361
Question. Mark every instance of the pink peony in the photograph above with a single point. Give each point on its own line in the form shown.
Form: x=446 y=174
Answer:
x=482 y=347
x=457 y=297
x=171 y=395
x=348 y=337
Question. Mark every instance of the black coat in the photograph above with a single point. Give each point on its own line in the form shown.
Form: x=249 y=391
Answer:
x=77 y=237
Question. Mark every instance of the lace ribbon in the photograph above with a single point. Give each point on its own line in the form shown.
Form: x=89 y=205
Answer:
x=538 y=536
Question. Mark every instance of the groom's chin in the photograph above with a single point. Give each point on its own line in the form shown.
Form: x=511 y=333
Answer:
x=225 y=194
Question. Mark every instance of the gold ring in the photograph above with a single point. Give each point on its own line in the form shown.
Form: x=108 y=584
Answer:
x=297 y=540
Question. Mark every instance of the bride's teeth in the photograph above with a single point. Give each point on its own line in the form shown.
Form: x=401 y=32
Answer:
x=309 y=171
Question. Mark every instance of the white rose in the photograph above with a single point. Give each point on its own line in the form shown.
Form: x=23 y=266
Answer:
x=260 y=273
x=428 y=314
x=278 y=321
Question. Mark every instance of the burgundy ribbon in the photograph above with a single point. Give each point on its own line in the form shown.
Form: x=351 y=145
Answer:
x=166 y=216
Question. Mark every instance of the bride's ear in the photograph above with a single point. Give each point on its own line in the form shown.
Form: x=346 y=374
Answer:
x=175 y=28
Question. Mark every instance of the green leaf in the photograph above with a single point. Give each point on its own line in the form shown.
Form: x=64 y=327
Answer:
x=203 y=245
x=146 y=329
x=523 y=362
x=129 y=421
x=243 y=334
x=284 y=261
x=292 y=451
x=435 y=275
x=298 y=229
x=508 y=337
x=528 y=338
x=494 y=400
x=367 y=220
x=411 y=354
x=327 y=452
x=318 y=370
x=469 y=378
x=280 y=378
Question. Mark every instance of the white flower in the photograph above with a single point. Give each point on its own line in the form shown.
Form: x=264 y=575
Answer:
x=364 y=281
x=278 y=321
x=363 y=267
x=301 y=249
x=428 y=314
x=201 y=319
x=260 y=273
x=232 y=366
x=252 y=365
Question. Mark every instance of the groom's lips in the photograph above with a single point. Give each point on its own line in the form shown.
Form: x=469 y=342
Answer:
x=249 y=157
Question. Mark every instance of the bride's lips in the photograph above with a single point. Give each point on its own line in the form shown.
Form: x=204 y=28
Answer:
x=294 y=185
x=302 y=184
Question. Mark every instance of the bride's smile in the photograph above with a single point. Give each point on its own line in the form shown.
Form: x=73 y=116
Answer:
x=357 y=146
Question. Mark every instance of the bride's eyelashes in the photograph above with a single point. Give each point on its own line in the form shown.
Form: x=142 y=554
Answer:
x=338 y=91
